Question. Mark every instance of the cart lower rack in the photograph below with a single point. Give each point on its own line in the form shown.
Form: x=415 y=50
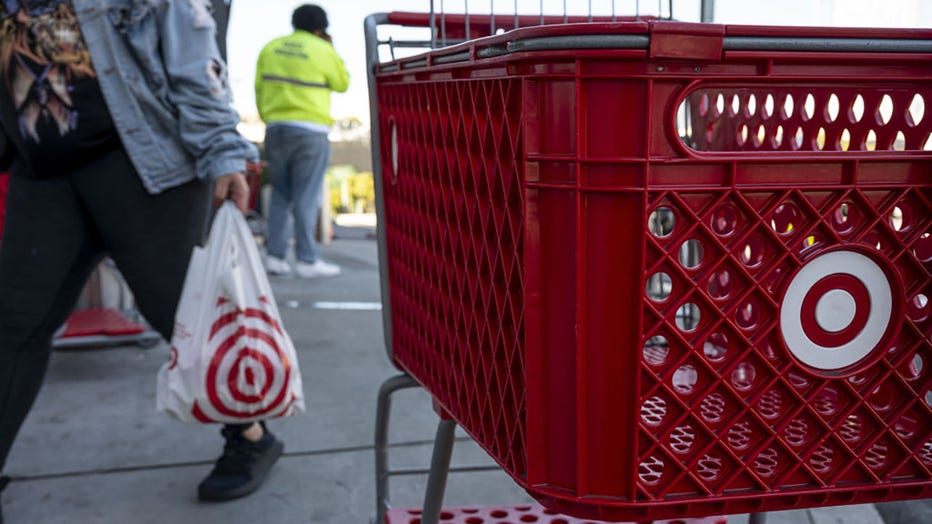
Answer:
x=661 y=270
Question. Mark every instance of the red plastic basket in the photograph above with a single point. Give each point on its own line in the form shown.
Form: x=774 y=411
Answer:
x=661 y=270
x=254 y=179
x=512 y=515
x=100 y=322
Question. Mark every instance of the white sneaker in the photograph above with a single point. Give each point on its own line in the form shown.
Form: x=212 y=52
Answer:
x=276 y=266
x=317 y=269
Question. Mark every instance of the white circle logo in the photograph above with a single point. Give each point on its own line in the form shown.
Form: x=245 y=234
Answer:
x=836 y=311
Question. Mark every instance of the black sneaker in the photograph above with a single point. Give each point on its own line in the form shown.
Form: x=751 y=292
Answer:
x=242 y=467
x=3 y=482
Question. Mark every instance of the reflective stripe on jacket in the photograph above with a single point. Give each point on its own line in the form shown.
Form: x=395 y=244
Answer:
x=294 y=77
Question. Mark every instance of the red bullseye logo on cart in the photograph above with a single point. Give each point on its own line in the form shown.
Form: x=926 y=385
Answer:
x=250 y=374
x=840 y=310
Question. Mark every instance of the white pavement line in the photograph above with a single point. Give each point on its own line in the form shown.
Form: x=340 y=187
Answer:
x=332 y=306
x=348 y=306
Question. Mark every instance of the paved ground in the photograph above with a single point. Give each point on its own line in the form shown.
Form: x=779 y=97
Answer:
x=94 y=450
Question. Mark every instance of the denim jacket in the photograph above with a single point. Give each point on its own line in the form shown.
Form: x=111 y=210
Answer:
x=165 y=84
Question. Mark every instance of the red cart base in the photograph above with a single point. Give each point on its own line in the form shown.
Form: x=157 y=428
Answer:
x=103 y=326
x=513 y=515
x=100 y=321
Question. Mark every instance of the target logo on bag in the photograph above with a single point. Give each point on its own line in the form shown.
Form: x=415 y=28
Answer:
x=839 y=310
x=250 y=375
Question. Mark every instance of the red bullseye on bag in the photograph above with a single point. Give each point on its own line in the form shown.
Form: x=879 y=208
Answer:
x=232 y=360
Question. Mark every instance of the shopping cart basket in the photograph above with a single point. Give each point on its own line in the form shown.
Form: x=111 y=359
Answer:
x=661 y=269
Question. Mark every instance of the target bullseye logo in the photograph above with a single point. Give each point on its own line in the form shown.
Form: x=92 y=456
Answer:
x=837 y=310
x=250 y=374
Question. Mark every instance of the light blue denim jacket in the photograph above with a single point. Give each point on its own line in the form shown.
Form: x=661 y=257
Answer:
x=161 y=74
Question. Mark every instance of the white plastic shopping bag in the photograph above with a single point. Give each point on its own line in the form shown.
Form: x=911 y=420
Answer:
x=232 y=360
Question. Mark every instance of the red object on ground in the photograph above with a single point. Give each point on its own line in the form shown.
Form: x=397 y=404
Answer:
x=254 y=179
x=100 y=321
x=514 y=515
x=684 y=274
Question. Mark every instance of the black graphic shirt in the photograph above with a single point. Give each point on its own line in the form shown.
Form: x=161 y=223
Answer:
x=47 y=78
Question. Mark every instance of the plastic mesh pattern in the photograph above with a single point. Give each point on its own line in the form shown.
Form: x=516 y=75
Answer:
x=600 y=301
x=454 y=211
x=514 y=515
x=815 y=117
x=729 y=374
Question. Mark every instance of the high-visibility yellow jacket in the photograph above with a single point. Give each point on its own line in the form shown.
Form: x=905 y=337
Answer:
x=294 y=77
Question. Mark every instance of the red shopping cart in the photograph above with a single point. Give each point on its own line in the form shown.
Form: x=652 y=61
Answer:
x=660 y=269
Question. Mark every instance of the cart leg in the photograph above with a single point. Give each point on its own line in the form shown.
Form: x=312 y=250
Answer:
x=439 y=467
x=382 y=415
x=758 y=518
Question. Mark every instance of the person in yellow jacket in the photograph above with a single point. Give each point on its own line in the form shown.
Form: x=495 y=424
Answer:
x=295 y=75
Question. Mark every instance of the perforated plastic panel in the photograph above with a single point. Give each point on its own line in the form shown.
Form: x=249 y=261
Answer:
x=458 y=276
x=513 y=515
x=728 y=395
x=647 y=303
x=802 y=116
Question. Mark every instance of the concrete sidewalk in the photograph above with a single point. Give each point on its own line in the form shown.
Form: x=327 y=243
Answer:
x=94 y=451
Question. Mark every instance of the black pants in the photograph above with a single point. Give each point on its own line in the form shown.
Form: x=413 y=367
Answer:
x=57 y=230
